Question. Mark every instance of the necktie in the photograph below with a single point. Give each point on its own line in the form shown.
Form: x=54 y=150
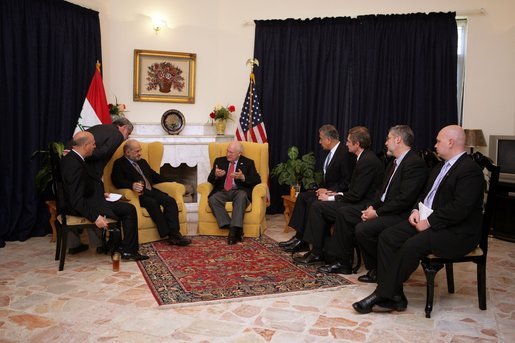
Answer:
x=327 y=161
x=389 y=179
x=428 y=201
x=147 y=183
x=228 y=177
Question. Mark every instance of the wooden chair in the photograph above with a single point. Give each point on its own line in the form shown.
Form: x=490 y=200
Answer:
x=254 y=222
x=153 y=153
x=65 y=222
x=432 y=264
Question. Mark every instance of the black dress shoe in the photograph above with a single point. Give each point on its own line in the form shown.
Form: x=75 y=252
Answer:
x=288 y=242
x=235 y=235
x=76 y=250
x=297 y=247
x=365 y=305
x=338 y=267
x=308 y=258
x=177 y=238
x=396 y=303
x=129 y=256
x=369 y=277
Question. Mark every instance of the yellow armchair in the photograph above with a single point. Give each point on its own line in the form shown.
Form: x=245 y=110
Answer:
x=147 y=230
x=254 y=222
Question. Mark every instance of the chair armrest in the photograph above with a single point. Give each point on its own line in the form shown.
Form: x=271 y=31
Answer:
x=259 y=193
x=173 y=189
x=205 y=188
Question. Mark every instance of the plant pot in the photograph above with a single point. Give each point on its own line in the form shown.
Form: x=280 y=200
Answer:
x=165 y=87
x=220 y=127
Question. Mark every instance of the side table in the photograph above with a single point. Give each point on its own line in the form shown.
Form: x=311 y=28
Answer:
x=289 y=203
x=53 y=211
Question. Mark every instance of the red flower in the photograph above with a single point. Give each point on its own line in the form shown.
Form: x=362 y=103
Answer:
x=212 y=115
x=231 y=108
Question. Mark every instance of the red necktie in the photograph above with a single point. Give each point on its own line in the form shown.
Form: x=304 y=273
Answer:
x=228 y=177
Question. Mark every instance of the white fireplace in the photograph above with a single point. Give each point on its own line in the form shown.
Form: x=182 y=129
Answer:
x=189 y=146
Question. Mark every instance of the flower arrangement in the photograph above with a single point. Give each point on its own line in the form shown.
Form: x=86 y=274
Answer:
x=165 y=76
x=222 y=112
x=117 y=110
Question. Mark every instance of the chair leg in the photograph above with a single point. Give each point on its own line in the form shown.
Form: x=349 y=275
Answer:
x=64 y=243
x=449 y=273
x=357 y=254
x=58 y=241
x=430 y=270
x=481 y=285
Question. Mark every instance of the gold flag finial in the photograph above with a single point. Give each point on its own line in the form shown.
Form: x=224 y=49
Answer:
x=98 y=65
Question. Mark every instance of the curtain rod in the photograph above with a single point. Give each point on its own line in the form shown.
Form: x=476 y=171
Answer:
x=459 y=13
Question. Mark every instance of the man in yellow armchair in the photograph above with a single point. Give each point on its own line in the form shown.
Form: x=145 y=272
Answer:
x=133 y=172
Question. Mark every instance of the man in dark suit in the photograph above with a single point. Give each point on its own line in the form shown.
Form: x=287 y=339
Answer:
x=366 y=179
x=83 y=191
x=406 y=176
x=233 y=178
x=128 y=172
x=447 y=222
x=338 y=166
x=108 y=138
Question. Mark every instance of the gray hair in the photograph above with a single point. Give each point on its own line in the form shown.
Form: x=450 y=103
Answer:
x=329 y=131
x=122 y=121
x=405 y=133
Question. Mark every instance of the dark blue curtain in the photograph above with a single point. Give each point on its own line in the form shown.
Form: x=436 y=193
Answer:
x=48 y=50
x=375 y=71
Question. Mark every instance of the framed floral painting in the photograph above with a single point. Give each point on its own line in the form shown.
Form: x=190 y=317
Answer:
x=164 y=76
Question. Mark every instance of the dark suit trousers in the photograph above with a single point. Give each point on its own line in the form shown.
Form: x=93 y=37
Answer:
x=299 y=216
x=367 y=234
x=341 y=243
x=167 y=221
x=322 y=214
x=126 y=213
x=239 y=203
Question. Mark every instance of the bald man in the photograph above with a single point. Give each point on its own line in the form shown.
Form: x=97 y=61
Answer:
x=233 y=178
x=454 y=193
x=83 y=192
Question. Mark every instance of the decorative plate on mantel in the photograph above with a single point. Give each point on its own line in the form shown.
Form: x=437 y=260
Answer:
x=173 y=122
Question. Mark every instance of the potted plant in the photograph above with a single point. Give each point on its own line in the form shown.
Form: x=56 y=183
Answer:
x=44 y=174
x=220 y=115
x=296 y=172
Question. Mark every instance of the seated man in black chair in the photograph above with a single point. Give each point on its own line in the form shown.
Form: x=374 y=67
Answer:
x=338 y=166
x=406 y=176
x=446 y=222
x=128 y=172
x=84 y=195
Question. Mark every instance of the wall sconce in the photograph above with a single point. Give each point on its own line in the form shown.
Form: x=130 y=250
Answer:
x=158 y=24
x=474 y=138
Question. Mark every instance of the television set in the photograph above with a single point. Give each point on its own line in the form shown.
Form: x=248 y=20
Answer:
x=502 y=152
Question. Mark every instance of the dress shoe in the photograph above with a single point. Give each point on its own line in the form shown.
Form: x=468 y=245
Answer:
x=338 y=267
x=129 y=256
x=369 y=277
x=297 y=247
x=177 y=238
x=396 y=303
x=365 y=305
x=288 y=242
x=309 y=258
x=235 y=235
x=78 y=249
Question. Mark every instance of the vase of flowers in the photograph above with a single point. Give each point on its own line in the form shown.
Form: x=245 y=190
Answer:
x=164 y=76
x=220 y=115
x=117 y=110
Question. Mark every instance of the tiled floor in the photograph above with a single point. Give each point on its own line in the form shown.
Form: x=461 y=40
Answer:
x=87 y=302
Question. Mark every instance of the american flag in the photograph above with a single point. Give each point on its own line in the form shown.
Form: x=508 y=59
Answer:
x=251 y=113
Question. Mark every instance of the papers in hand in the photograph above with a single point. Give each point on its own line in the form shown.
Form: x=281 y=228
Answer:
x=113 y=197
x=424 y=211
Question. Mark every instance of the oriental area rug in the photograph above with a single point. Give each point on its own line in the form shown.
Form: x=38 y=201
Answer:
x=210 y=270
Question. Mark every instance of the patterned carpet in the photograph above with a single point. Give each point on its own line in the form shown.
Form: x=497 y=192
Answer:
x=209 y=269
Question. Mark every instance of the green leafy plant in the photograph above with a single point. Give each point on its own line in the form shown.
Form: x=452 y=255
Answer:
x=297 y=171
x=44 y=174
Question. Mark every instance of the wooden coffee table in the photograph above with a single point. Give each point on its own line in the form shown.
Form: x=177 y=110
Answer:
x=289 y=203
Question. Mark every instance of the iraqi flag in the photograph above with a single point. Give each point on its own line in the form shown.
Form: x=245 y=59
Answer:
x=95 y=109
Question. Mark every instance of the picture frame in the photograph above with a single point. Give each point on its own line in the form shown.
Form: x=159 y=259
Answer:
x=162 y=76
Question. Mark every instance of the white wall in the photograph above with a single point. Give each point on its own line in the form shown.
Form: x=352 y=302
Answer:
x=221 y=33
